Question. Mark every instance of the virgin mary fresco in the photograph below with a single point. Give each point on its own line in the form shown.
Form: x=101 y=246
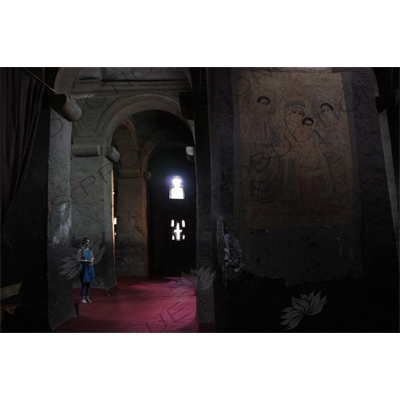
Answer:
x=295 y=161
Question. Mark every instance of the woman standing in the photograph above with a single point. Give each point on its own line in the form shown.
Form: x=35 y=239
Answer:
x=86 y=269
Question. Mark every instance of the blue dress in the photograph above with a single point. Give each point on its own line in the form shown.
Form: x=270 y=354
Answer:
x=86 y=271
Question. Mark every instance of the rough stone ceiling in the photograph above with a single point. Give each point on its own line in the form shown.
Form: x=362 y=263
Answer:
x=143 y=73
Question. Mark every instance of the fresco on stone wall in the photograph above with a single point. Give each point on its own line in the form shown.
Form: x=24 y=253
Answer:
x=296 y=149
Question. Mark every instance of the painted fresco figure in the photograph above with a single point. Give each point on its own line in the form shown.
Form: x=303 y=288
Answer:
x=329 y=126
x=297 y=167
x=296 y=144
x=266 y=177
x=262 y=126
x=331 y=131
x=294 y=114
x=270 y=168
x=267 y=166
x=311 y=169
x=86 y=269
x=259 y=122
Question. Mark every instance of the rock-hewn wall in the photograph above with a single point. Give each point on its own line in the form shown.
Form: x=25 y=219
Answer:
x=308 y=193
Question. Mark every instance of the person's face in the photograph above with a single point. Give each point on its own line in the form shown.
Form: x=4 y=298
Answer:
x=262 y=105
x=308 y=124
x=326 y=112
x=296 y=114
x=87 y=242
x=305 y=132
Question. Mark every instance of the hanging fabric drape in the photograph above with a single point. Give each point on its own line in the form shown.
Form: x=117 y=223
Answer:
x=21 y=100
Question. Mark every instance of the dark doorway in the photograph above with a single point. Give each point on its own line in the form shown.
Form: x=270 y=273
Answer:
x=172 y=222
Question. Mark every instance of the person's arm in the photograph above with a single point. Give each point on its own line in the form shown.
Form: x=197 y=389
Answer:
x=92 y=259
x=80 y=258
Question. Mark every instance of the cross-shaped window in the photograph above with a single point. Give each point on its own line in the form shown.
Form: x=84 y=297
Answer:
x=177 y=229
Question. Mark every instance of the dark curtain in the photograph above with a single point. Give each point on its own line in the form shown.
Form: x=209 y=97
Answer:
x=21 y=100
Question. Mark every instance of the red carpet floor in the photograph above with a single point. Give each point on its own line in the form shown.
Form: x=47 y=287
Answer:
x=137 y=305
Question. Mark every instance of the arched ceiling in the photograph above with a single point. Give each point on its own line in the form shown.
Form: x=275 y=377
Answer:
x=128 y=74
x=147 y=123
x=150 y=74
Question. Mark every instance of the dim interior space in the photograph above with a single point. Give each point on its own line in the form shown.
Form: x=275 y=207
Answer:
x=204 y=199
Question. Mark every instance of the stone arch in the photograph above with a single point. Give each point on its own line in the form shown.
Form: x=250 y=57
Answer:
x=155 y=143
x=129 y=199
x=130 y=105
x=125 y=140
x=131 y=241
x=131 y=129
x=95 y=171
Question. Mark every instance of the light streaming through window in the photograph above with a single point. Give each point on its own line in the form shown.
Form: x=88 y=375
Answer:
x=176 y=190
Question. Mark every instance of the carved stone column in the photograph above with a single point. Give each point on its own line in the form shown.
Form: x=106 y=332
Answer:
x=131 y=228
x=60 y=300
x=204 y=295
x=92 y=205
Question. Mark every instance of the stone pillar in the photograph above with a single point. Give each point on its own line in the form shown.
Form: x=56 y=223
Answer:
x=205 y=294
x=92 y=206
x=60 y=300
x=131 y=237
x=390 y=172
x=221 y=177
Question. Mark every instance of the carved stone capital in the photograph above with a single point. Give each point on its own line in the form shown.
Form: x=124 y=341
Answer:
x=95 y=150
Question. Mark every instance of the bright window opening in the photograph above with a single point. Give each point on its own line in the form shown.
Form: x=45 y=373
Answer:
x=177 y=230
x=176 y=190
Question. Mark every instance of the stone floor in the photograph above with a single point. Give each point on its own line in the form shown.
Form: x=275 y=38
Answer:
x=139 y=305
